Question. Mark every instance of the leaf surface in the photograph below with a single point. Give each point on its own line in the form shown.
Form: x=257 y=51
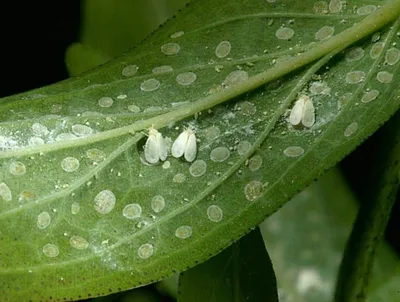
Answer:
x=68 y=149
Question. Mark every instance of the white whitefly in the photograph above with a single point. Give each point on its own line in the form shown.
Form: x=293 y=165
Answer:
x=155 y=148
x=185 y=145
x=303 y=112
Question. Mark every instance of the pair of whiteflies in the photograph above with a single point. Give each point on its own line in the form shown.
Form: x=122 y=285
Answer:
x=156 y=149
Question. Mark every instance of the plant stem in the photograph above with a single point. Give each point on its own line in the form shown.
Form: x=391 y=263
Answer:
x=370 y=224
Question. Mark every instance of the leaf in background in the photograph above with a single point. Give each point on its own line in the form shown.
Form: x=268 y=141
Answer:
x=111 y=27
x=80 y=57
x=71 y=146
x=242 y=272
x=306 y=240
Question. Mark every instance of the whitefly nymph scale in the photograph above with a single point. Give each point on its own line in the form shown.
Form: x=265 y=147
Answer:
x=155 y=148
x=303 y=113
x=185 y=145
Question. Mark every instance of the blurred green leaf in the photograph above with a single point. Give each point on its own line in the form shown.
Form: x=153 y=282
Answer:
x=80 y=58
x=68 y=149
x=306 y=240
x=111 y=27
x=242 y=272
x=140 y=295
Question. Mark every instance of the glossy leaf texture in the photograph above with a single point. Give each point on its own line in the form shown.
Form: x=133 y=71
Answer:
x=83 y=215
x=242 y=272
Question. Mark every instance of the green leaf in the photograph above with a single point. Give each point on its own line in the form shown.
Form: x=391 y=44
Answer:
x=242 y=272
x=372 y=218
x=306 y=240
x=57 y=243
x=102 y=19
x=80 y=58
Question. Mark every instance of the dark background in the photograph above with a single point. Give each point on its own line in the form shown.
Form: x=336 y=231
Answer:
x=34 y=41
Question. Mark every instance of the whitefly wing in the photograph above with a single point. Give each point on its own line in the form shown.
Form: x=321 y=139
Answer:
x=151 y=149
x=308 y=116
x=162 y=147
x=297 y=112
x=179 y=145
x=191 y=147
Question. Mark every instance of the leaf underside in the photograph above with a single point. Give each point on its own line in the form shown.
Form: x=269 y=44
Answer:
x=55 y=245
x=241 y=272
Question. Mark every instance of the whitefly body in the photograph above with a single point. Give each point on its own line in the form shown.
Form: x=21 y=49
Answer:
x=185 y=145
x=303 y=112
x=155 y=148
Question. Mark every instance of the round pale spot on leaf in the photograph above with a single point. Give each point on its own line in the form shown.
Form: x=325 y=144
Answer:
x=70 y=164
x=320 y=7
x=166 y=164
x=214 y=213
x=293 y=151
x=17 y=168
x=392 y=56
x=335 y=6
x=212 y=133
x=184 y=232
x=75 y=208
x=43 y=220
x=324 y=33
x=351 y=129
x=79 y=242
x=150 y=85
x=104 y=202
x=355 y=77
x=186 y=78
x=370 y=96
x=133 y=108
x=81 y=130
x=162 y=69
x=223 y=49
x=344 y=100
x=65 y=136
x=255 y=163
x=179 y=178
x=243 y=146
x=366 y=10
x=198 y=168
x=376 y=50
x=253 y=190
x=145 y=250
x=95 y=154
x=384 y=77
x=354 y=54
x=157 y=203
x=235 y=77
x=5 y=192
x=177 y=34
x=130 y=70
x=170 y=49
x=50 y=250
x=219 y=154
x=132 y=211
x=284 y=33
x=105 y=102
